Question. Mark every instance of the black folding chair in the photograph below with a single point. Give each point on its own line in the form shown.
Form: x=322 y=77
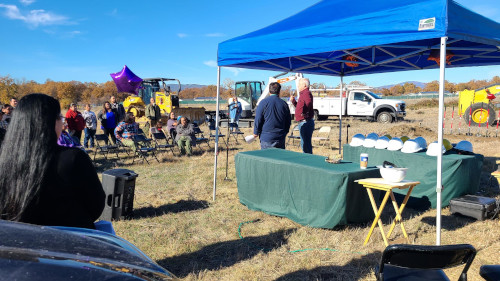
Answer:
x=490 y=272
x=141 y=132
x=234 y=131
x=294 y=135
x=103 y=146
x=418 y=262
x=161 y=142
x=143 y=148
x=200 y=138
x=213 y=135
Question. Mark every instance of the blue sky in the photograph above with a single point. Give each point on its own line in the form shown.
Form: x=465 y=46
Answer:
x=88 y=40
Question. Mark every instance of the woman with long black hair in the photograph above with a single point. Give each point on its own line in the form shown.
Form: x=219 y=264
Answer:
x=40 y=182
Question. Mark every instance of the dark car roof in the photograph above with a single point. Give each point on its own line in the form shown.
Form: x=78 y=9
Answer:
x=30 y=252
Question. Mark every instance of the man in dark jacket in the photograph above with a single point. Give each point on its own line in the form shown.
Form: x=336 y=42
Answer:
x=304 y=115
x=272 y=119
x=153 y=113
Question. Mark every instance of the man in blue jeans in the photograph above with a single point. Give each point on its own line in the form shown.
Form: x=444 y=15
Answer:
x=304 y=115
x=272 y=119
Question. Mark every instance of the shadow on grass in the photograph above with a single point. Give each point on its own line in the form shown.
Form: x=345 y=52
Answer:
x=224 y=254
x=450 y=223
x=178 y=207
x=355 y=269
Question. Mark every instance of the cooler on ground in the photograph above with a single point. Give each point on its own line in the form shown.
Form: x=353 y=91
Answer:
x=119 y=186
x=477 y=207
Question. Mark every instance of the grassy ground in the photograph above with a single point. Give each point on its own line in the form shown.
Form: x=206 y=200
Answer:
x=177 y=223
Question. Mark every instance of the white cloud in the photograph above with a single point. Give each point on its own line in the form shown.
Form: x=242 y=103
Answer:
x=235 y=70
x=215 y=34
x=210 y=63
x=182 y=35
x=27 y=2
x=33 y=17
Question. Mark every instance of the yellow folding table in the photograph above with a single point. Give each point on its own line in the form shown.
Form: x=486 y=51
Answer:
x=381 y=184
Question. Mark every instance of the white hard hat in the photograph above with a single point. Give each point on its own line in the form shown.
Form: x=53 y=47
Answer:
x=433 y=149
x=382 y=143
x=411 y=146
x=395 y=144
x=421 y=141
x=357 y=140
x=370 y=140
x=465 y=146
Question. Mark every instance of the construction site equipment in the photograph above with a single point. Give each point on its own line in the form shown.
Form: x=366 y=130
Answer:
x=478 y=106
x=167 y=101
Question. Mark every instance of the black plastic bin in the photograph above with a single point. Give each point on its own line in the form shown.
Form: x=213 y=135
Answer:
x=119 y=186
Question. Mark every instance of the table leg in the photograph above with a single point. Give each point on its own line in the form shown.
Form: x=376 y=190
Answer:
x=399 y=212
x=378 y=213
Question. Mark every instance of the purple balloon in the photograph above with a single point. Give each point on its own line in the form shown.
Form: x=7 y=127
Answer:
x=126 y=80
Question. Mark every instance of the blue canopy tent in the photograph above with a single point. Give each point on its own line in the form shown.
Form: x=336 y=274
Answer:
x=355 y=37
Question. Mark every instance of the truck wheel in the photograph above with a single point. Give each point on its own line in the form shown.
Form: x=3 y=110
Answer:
x=316 y=115
x=479 y=114
x=384 y=117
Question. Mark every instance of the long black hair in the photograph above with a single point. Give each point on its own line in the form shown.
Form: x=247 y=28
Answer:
x=26 y=152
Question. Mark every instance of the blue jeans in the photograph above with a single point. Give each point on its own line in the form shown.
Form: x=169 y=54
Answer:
x=306 y=129
x=89 y=135
x=275 y=144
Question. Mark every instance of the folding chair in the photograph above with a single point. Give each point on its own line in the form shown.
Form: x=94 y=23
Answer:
x=211 y=127
x=200 y=138
x=490 y=272
x=234 y=131
x=103 y=146
x=143 y=148
x=418 y=262
x=323 y=135
x=160 y=137
x=141 y=132
x=294 y=135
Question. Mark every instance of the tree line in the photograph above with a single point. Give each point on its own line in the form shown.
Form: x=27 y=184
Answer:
x=91 y=92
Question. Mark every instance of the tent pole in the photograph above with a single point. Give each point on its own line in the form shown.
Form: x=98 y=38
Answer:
x=340 y=114
x=216 y=151
x=442 y=64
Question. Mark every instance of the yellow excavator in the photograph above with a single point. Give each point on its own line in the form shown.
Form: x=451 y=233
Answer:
x=168 y=101
x=479 y=106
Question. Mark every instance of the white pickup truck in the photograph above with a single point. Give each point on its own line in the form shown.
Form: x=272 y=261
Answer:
x=360 y=102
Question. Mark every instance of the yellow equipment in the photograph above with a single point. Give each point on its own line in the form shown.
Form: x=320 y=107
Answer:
x=478 y=105
x=156 y=88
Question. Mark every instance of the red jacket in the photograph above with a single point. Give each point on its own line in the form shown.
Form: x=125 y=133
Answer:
x=75 y=120
x=304 y=107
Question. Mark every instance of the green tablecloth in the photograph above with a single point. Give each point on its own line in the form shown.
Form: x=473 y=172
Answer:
x=303 y=187
x=461 y=173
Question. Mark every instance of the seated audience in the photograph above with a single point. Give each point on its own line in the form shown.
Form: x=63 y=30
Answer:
x=126 y=129
x=46 y=184
x=66 y=139
x=185 y=136
x=171 y=125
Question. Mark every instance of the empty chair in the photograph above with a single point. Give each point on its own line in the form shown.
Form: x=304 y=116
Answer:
x=143 y=148
x=294 y=135
x=418 y=262
x=103 y=146
x=161 y=142
x=323 y=136
x=200 y=138
x=490 y=272
x=213 y=134
x=234 y=131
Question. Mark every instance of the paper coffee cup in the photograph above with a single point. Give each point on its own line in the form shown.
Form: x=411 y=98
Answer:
x=363 y=160
x=250 y=138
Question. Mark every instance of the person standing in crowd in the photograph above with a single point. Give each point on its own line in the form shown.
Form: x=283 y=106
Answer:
x=119 y=109
x=7 y=112
x=13 y=103
x=153 y=113
x=272 y=119
x=235 y=111
x=185 y=137
x=108 y=118
x=304 y=115
x=76 y=123
x=46 y=184
x=171 y=125
x=90 y=126
x=126 y=130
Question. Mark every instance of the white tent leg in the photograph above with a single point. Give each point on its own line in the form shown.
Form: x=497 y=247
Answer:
x=216 y=151
x=340 y=114
x=439 y=181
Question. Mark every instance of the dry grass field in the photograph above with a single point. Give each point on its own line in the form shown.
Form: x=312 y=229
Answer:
x=177 y=223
